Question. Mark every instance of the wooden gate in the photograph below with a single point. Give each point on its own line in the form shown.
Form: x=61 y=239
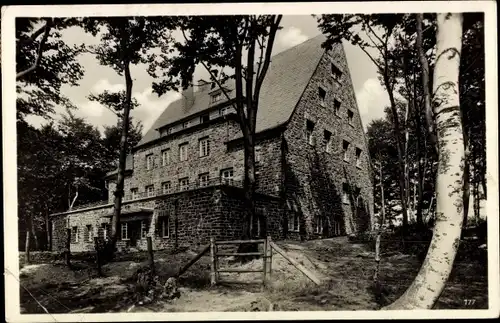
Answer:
x=215 y=254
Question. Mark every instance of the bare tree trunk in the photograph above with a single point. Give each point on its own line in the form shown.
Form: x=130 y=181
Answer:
x=115 y=221
x=47 y=230
x=429 y=282
x=35 y=237
x=382 y=222
x=27 y=245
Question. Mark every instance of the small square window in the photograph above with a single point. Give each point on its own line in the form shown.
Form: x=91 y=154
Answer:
x=89 y=233
x=293 y=221
x=336 y=73
x=345 y=193
x=336 y=107
x=166 y=187
x=134 y=193
x=164 y=226
x=328 y=141
x=204 y=147
x=74 y=234
x=183 y=184
x=203 y=179
x=149 y=162
x=345 y=148
x=310 y=132
x=183 y=152
x=124 y=231
x=358 y=157
x=165 y=157
x=144 y=229
x=350 y=117
x=227 y=176
x=150 y=190
x=322 y=96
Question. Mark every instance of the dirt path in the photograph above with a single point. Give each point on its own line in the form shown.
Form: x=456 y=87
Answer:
x=345 y=270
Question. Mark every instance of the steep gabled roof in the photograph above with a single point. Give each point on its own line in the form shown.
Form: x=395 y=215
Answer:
x=287 y=77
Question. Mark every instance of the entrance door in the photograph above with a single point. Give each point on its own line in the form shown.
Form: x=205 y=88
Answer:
x=134 y=228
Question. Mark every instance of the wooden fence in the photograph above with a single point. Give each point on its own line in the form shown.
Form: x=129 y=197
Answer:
x=266 y=254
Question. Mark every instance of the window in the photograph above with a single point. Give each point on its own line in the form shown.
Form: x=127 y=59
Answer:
x=204 y=145
x=183 y=183
x=205 y=118
x=258 y=155
x=358 y=157
x=216 y=97
x=319 y=225
x=149 y=161
x=322 y=96
x=105 y=230
x=293 y=222
x=336 y=107
x=144 y=229
x=89 y=233
x=124 y=231
x=150 y=190
x=164 y=227
x=74 y=234
x=336 y=73
x=203 y=179
x=345 y=148
x=226 y=175
x=133 y=192
x=166 y=187
x=345 y=193
x=350 y=117
x=328 y=141
x=183 y=151
x=223 y=111
x=165 y=157
x=309 y=132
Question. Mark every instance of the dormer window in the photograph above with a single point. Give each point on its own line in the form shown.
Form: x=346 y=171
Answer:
x=216 y=97
x=204 y=118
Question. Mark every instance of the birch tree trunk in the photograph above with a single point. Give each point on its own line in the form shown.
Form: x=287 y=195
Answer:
x=429 y=282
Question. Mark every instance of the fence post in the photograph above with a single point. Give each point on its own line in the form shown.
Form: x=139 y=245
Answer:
x=151 y=261
x=269 y=257
x=213 y=269
x=264 y=263
x=68 y=247
x=98 y=256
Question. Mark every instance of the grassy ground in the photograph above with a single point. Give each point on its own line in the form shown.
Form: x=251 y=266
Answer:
x=344 y=268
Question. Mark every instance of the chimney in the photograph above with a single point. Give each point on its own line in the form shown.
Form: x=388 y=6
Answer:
x=203 y=85
x=188 y=98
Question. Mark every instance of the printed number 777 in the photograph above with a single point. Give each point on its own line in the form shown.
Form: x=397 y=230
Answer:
x=469 y=302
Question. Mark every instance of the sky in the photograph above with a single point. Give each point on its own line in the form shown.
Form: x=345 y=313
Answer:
x=370 y=95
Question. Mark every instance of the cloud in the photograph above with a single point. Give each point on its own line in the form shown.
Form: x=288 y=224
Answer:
x=104 y=84
x=372 y=99
x=151 y=106
x=290 y=37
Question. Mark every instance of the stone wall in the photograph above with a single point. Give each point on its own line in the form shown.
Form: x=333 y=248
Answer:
x=194 y=217
x=314 y=178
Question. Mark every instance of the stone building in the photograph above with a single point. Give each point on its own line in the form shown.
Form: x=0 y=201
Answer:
x=184 y=179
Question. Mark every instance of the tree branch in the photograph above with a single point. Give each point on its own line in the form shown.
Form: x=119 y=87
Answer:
x=39 y=53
